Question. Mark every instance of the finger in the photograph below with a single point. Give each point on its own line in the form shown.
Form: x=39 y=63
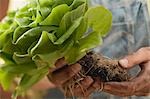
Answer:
x=142 y=94
x=59 y=64
x=117 y=94
x=128 y=88
x=96 y=86
x=80 y=88
x=135 y=85
x=142 y=80
x=145 y=66
x=85 y=83
x=60 y=76
x=142 y=55
x=120 y=88
x=144 y=90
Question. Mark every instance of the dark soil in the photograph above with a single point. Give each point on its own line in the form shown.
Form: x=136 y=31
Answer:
x=106 y=69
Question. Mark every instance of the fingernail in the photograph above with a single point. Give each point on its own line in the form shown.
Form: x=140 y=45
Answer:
x=124 y=62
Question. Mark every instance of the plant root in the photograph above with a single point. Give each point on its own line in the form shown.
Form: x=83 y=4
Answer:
x=106 y=69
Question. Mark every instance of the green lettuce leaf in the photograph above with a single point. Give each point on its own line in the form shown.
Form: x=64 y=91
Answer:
x=56 y=15
x=99 y=19
x=6 y=79
x=69 y=19
x=39 y=48
x=67 y=34
x=34 y=37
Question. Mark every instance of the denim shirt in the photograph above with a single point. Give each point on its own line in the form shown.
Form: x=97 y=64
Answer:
x=130 y=31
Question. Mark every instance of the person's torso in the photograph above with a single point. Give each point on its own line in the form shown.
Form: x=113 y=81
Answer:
x=130 y=31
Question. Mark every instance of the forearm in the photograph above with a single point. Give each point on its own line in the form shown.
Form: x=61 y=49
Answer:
x=3 y=8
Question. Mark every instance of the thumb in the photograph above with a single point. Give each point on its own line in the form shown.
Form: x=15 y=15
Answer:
x=142 y=55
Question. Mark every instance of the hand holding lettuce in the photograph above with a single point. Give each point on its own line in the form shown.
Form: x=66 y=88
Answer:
x=38 y=34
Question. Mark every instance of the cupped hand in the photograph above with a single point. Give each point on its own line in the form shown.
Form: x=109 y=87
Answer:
x=70 y=81
x=140 y=85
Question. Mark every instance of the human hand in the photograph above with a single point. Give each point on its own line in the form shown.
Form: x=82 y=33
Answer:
x=3 y=8
x=70 y=81
x=140 y=85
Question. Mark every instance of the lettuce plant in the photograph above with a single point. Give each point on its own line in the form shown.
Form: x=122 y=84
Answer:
x=35 y=36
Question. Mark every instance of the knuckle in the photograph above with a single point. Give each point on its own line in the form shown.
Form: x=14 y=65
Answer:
x=131 y=88
x=147 y=48
x=87 y=94
x=78 y=92
x=146 y=80
x=60 y=62
x=70 y=72
x=97 y=86
x=88 y=80
x=75 y=67
x=142 y=49
x=145 y=51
